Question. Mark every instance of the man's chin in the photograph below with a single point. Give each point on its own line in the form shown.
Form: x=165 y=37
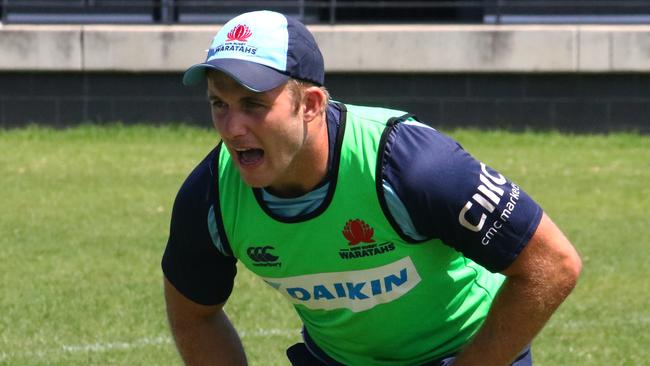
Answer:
x=254 y=182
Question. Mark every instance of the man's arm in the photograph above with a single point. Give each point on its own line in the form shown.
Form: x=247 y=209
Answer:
x=537 y=282
x=203 y=334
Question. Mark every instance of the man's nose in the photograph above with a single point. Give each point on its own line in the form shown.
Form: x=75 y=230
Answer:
x=232 y=125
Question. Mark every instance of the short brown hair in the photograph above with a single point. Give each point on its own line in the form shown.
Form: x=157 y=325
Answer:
x=297 y=88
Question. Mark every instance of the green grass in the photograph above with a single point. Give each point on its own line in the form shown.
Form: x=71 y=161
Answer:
x=84 y=215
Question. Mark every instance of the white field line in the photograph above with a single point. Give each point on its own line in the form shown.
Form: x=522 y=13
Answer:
x=102 y=347
x=137 y=343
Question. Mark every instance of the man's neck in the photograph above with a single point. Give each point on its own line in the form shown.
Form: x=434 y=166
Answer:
x=311 y=167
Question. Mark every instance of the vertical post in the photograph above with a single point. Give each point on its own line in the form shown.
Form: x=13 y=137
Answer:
x=164 y=11
x=88 y=7
x=172 y=11
x=499 y=6
x=301 y=10
x=332 y=12
x=3 y=11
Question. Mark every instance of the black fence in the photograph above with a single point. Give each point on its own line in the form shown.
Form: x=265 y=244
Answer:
x=579 y=103
x=328 y=11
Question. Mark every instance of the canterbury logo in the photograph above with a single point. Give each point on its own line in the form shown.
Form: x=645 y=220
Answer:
x=261 y=254
x=239 y=33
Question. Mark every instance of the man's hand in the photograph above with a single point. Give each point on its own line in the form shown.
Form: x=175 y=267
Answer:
x=537 y=282
x=203 y=334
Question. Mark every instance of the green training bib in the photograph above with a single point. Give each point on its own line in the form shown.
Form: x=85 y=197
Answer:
x=365 y=295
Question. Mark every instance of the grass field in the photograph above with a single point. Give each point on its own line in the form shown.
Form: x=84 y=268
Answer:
x=84 y=215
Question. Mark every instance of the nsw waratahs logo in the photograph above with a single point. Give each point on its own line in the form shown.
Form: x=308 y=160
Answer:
x=239 y=33
x=357 y=231
x=235 y=42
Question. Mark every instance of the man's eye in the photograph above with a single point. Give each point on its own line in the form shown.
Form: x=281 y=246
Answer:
x=217 y=104
x=253 y=106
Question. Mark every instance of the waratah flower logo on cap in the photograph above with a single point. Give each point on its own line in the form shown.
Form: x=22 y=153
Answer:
x=239 y=33
x=357 y=231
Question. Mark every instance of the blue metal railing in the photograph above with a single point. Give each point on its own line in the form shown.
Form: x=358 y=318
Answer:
x=327 y=11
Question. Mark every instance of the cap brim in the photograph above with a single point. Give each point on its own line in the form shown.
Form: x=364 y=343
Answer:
x=256 y=77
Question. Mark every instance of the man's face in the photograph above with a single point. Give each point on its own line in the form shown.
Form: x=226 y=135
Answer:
x=263 y=132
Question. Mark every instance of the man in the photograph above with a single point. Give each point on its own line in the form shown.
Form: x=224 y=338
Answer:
x=395 y=246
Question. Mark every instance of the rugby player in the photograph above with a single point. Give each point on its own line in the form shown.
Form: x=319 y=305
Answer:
x=394 y=245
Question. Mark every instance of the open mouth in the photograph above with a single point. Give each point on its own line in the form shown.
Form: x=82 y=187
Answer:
x=249 y=156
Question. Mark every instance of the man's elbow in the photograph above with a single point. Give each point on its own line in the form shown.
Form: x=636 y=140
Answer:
x=568 y=270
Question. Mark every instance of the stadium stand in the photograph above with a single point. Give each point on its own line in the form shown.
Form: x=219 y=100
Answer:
x=329 y=11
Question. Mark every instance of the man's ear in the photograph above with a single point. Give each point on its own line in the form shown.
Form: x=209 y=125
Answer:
x=313 y=103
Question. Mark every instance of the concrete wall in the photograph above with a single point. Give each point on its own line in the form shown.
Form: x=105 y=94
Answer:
x=367 y=48
x=570 y=78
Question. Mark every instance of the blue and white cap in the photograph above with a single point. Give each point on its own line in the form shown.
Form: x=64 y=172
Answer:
x=261 y=50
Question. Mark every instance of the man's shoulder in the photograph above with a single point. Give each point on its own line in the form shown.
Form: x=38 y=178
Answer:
x=417 y=150
x=375 y=114
x=196 y=187
x=414 y=131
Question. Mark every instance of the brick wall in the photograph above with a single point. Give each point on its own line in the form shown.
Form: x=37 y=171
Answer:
x=567 y=102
